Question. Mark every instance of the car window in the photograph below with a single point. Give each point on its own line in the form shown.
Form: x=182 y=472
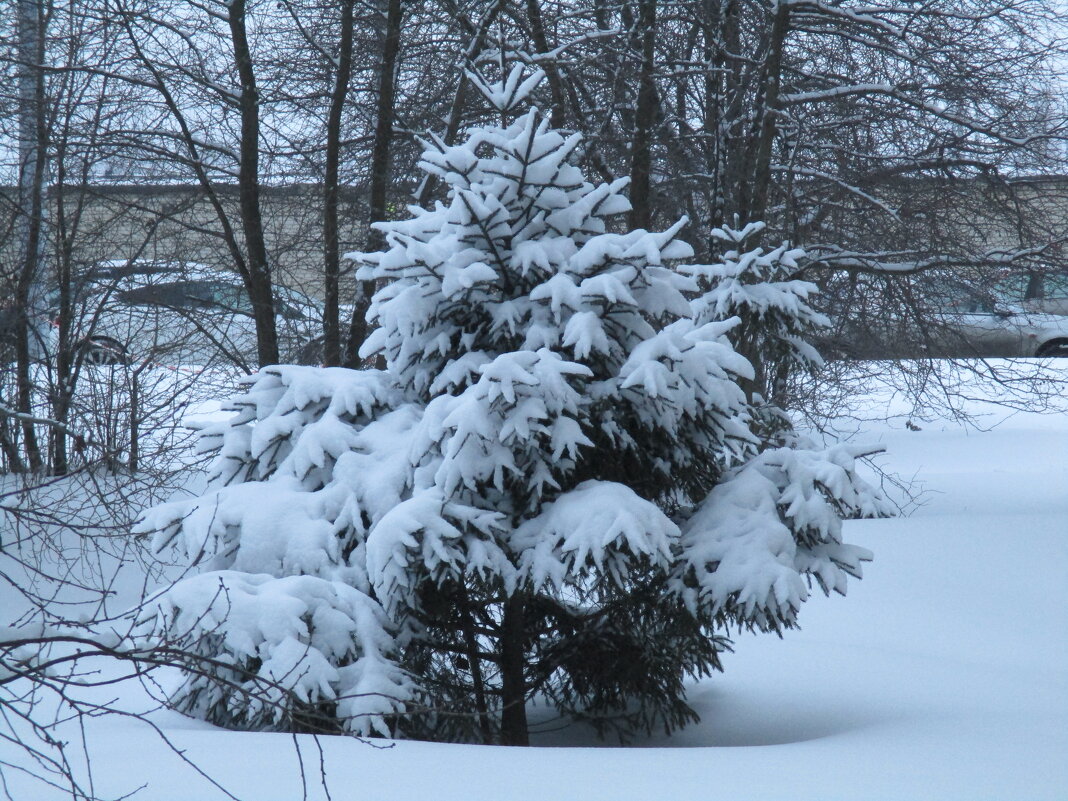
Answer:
x=1057 y=285
x=286 y=310
x=175 y=295
x=220 y=295
x=167 y=295
x=231 y=298
x=1014 y=287
x=957 y=299
x=235 y=299
x=973 y=304
x=1023 y=286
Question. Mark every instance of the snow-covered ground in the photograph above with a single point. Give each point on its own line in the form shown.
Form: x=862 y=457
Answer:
x=943 y=675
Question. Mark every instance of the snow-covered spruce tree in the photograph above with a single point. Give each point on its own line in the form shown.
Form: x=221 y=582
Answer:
x=775 y=320
x=552 y=490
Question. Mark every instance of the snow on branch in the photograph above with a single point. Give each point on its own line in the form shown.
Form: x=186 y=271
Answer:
x=771 y=524
x=511 y=92
x=291 y=645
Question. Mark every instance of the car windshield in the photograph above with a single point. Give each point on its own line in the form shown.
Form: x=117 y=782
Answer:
x=231 y=297
x=219 y=295
x=173 y=295
x=956 y=298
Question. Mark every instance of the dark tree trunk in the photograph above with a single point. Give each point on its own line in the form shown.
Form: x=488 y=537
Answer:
x=552 y=73
x=196 y=162
x=769 y=123
x=134 y=463
x=644 y=121
x=258 y=276
x=64 y=382
x=715 y=15
x=10 y=451
x=734 y=76
x=757 y=176
x=32 y=161
x=513 y=681
x=380 y=170
x=67 y=225
x=478 y=682
x=331 y=248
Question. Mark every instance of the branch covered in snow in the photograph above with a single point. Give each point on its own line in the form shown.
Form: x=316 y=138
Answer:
x=751 y=546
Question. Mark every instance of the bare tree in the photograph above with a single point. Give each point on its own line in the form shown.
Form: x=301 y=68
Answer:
x=381 y=171
x=30 y=210
x=331 y=254
x=188 y=79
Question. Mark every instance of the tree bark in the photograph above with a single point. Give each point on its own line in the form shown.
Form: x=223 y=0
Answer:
x=754 y=191
x=259 y=270
x=558 y=116
x=380 y=170
x=64 y=385
x=513 y=681
x=32 y=161
x=644 y=120
x=194 y=158
x=331 y=249
x=716 y=14
x=67 y=225
x=10 y=451
x=478 y=683
x=452 y=127
x=134 y=463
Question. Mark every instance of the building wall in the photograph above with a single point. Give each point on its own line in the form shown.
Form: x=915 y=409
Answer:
x=176 y=223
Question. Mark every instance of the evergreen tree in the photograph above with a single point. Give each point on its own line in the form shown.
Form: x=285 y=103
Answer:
x=552 y=490
x=774 y=317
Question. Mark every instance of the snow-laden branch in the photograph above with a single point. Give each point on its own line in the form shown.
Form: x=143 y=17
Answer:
x=556 y=52
x=81 y=438
x=906 y=262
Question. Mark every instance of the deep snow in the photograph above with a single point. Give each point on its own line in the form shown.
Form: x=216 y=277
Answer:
x=943 y=675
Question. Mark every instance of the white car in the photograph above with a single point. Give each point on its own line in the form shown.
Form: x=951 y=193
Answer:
x=179 y=314
x=978 y=326
x=938 y=315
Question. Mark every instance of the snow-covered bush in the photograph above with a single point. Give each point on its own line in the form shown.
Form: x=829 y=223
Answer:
x=551 y=491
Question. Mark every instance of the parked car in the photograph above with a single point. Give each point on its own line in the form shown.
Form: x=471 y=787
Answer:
x=942 y=314
x=974 y=324
x=177 y=313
